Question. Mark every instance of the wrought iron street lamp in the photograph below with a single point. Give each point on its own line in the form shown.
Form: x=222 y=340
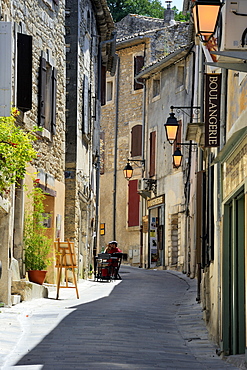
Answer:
x=128 y=169
x=171 y=127
x=177 y=158
x=206 y=15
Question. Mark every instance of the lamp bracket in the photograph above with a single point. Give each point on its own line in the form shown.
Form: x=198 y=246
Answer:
x=152 y=185
x=196 y=110
x=187 y=144
x=137 y=160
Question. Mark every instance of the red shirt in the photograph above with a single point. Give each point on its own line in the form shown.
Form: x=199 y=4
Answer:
x=114 y=250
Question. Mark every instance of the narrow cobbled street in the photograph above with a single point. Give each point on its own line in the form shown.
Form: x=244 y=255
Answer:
x=149 y=320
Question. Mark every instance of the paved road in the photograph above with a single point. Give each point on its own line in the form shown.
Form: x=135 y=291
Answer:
x=148 y=321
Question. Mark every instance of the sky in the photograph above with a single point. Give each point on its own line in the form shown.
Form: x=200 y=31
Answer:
x=177 y=3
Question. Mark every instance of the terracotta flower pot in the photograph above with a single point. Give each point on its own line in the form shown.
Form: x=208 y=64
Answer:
x=37 y=276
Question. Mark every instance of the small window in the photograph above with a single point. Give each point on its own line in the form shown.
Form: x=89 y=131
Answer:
x=88 y=22
x=138 y=64
x=109 y=91
x=24 y=72
x=156 y=87
x=180 y=76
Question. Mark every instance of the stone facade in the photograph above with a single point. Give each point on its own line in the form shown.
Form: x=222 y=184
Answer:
x=86 y=31
x=136 y=36
x=43 y=22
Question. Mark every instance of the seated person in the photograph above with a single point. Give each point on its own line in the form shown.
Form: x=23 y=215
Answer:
x=112 y=248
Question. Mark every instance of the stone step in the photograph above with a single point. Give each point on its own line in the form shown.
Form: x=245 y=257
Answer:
x=27 y=290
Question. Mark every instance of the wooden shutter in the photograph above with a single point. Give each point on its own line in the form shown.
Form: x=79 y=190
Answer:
x=24 y=72
x=134 y=204
x=136 y=141
x=54 y=101
x=103 y=85
x=152 y=153
x=138 y=64
x=42 y=92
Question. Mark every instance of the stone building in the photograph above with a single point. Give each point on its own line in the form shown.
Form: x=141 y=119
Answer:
x=34 y=67
x=220 y=229
x=55 y=56
x=140 y=41
x=89 y=48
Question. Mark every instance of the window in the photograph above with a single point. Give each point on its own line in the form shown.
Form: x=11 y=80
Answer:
x=134 y=204
x=24 y=72
x=103 y=85
x=156 y=87
x=152 y=154
x=109 y=91
x=47 y=95
x=138 y=64
x=180 y=76
x=88 y=22
x=136 y=141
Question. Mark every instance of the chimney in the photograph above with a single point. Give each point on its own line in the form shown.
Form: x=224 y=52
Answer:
x=169 y=14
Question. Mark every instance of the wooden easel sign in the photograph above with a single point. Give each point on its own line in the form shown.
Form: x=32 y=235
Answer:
x=65 y=259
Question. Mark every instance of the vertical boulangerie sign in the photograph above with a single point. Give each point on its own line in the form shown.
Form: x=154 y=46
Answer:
x=212 y=109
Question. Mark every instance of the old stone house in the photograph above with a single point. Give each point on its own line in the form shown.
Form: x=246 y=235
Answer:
x=32 y=33
x=140 y=41
x=221 y=180
x=169 y=212
x=90 y=47
x=55 y=55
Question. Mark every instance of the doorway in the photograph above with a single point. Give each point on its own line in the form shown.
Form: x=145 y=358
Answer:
x=233 y=284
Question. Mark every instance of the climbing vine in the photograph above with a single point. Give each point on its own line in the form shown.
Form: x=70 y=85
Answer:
x=16 y=150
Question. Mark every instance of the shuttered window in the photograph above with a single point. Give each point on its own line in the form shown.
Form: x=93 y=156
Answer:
x=138 y=64
x=134 y=204
x=24 y=72
x=136 y=141
x=152 y=153
x=47 y=96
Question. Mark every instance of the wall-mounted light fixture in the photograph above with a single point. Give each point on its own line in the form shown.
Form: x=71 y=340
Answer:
x=128 y=169
x=171 y=127
x=206 y=16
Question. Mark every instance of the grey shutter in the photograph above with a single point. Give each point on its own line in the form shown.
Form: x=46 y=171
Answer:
x=42 y=92
x=24 y=72
x=54 y=101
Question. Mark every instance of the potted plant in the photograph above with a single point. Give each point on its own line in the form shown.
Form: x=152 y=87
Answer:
x=38 y=246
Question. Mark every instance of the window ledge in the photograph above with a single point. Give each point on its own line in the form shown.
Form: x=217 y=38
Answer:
x=46 y=134
x=155 y=98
